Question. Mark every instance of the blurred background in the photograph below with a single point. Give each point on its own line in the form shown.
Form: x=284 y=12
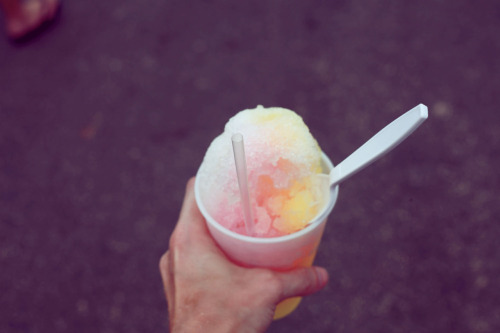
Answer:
x=105 y=116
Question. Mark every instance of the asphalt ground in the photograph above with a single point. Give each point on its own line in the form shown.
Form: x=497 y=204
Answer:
x=105 y=116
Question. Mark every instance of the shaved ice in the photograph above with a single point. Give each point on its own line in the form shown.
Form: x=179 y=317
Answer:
x=282 y=160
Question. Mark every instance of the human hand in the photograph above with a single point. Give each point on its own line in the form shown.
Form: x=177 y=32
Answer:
x=206 y=292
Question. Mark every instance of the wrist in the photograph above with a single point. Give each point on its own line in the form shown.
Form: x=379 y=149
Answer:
x=206 y=322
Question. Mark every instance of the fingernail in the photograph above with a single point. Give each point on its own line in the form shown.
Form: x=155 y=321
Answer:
x=322 y=275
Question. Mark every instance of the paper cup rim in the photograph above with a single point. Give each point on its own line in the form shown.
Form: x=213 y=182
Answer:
x=270 y=240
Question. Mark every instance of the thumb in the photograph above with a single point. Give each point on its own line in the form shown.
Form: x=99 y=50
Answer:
x=302 y=281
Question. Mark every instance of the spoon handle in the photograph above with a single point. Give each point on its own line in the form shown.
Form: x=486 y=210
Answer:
x=381 y=143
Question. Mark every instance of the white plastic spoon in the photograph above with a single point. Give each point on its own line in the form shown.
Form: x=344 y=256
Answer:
x=380 y=144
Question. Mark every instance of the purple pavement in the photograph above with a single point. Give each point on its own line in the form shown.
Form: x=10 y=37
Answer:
x=104 y=117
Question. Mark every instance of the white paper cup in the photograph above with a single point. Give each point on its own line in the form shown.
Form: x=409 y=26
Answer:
x=277 y=253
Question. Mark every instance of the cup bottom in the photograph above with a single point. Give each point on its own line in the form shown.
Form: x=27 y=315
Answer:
x=285 y=307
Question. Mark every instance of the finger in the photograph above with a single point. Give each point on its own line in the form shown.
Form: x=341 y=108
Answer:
x=302 y=281
x=190 y=216
x=191 y=229
x=166 y=277
x=187 y=204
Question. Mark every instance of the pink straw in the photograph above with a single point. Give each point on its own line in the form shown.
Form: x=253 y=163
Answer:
x=241 y=171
